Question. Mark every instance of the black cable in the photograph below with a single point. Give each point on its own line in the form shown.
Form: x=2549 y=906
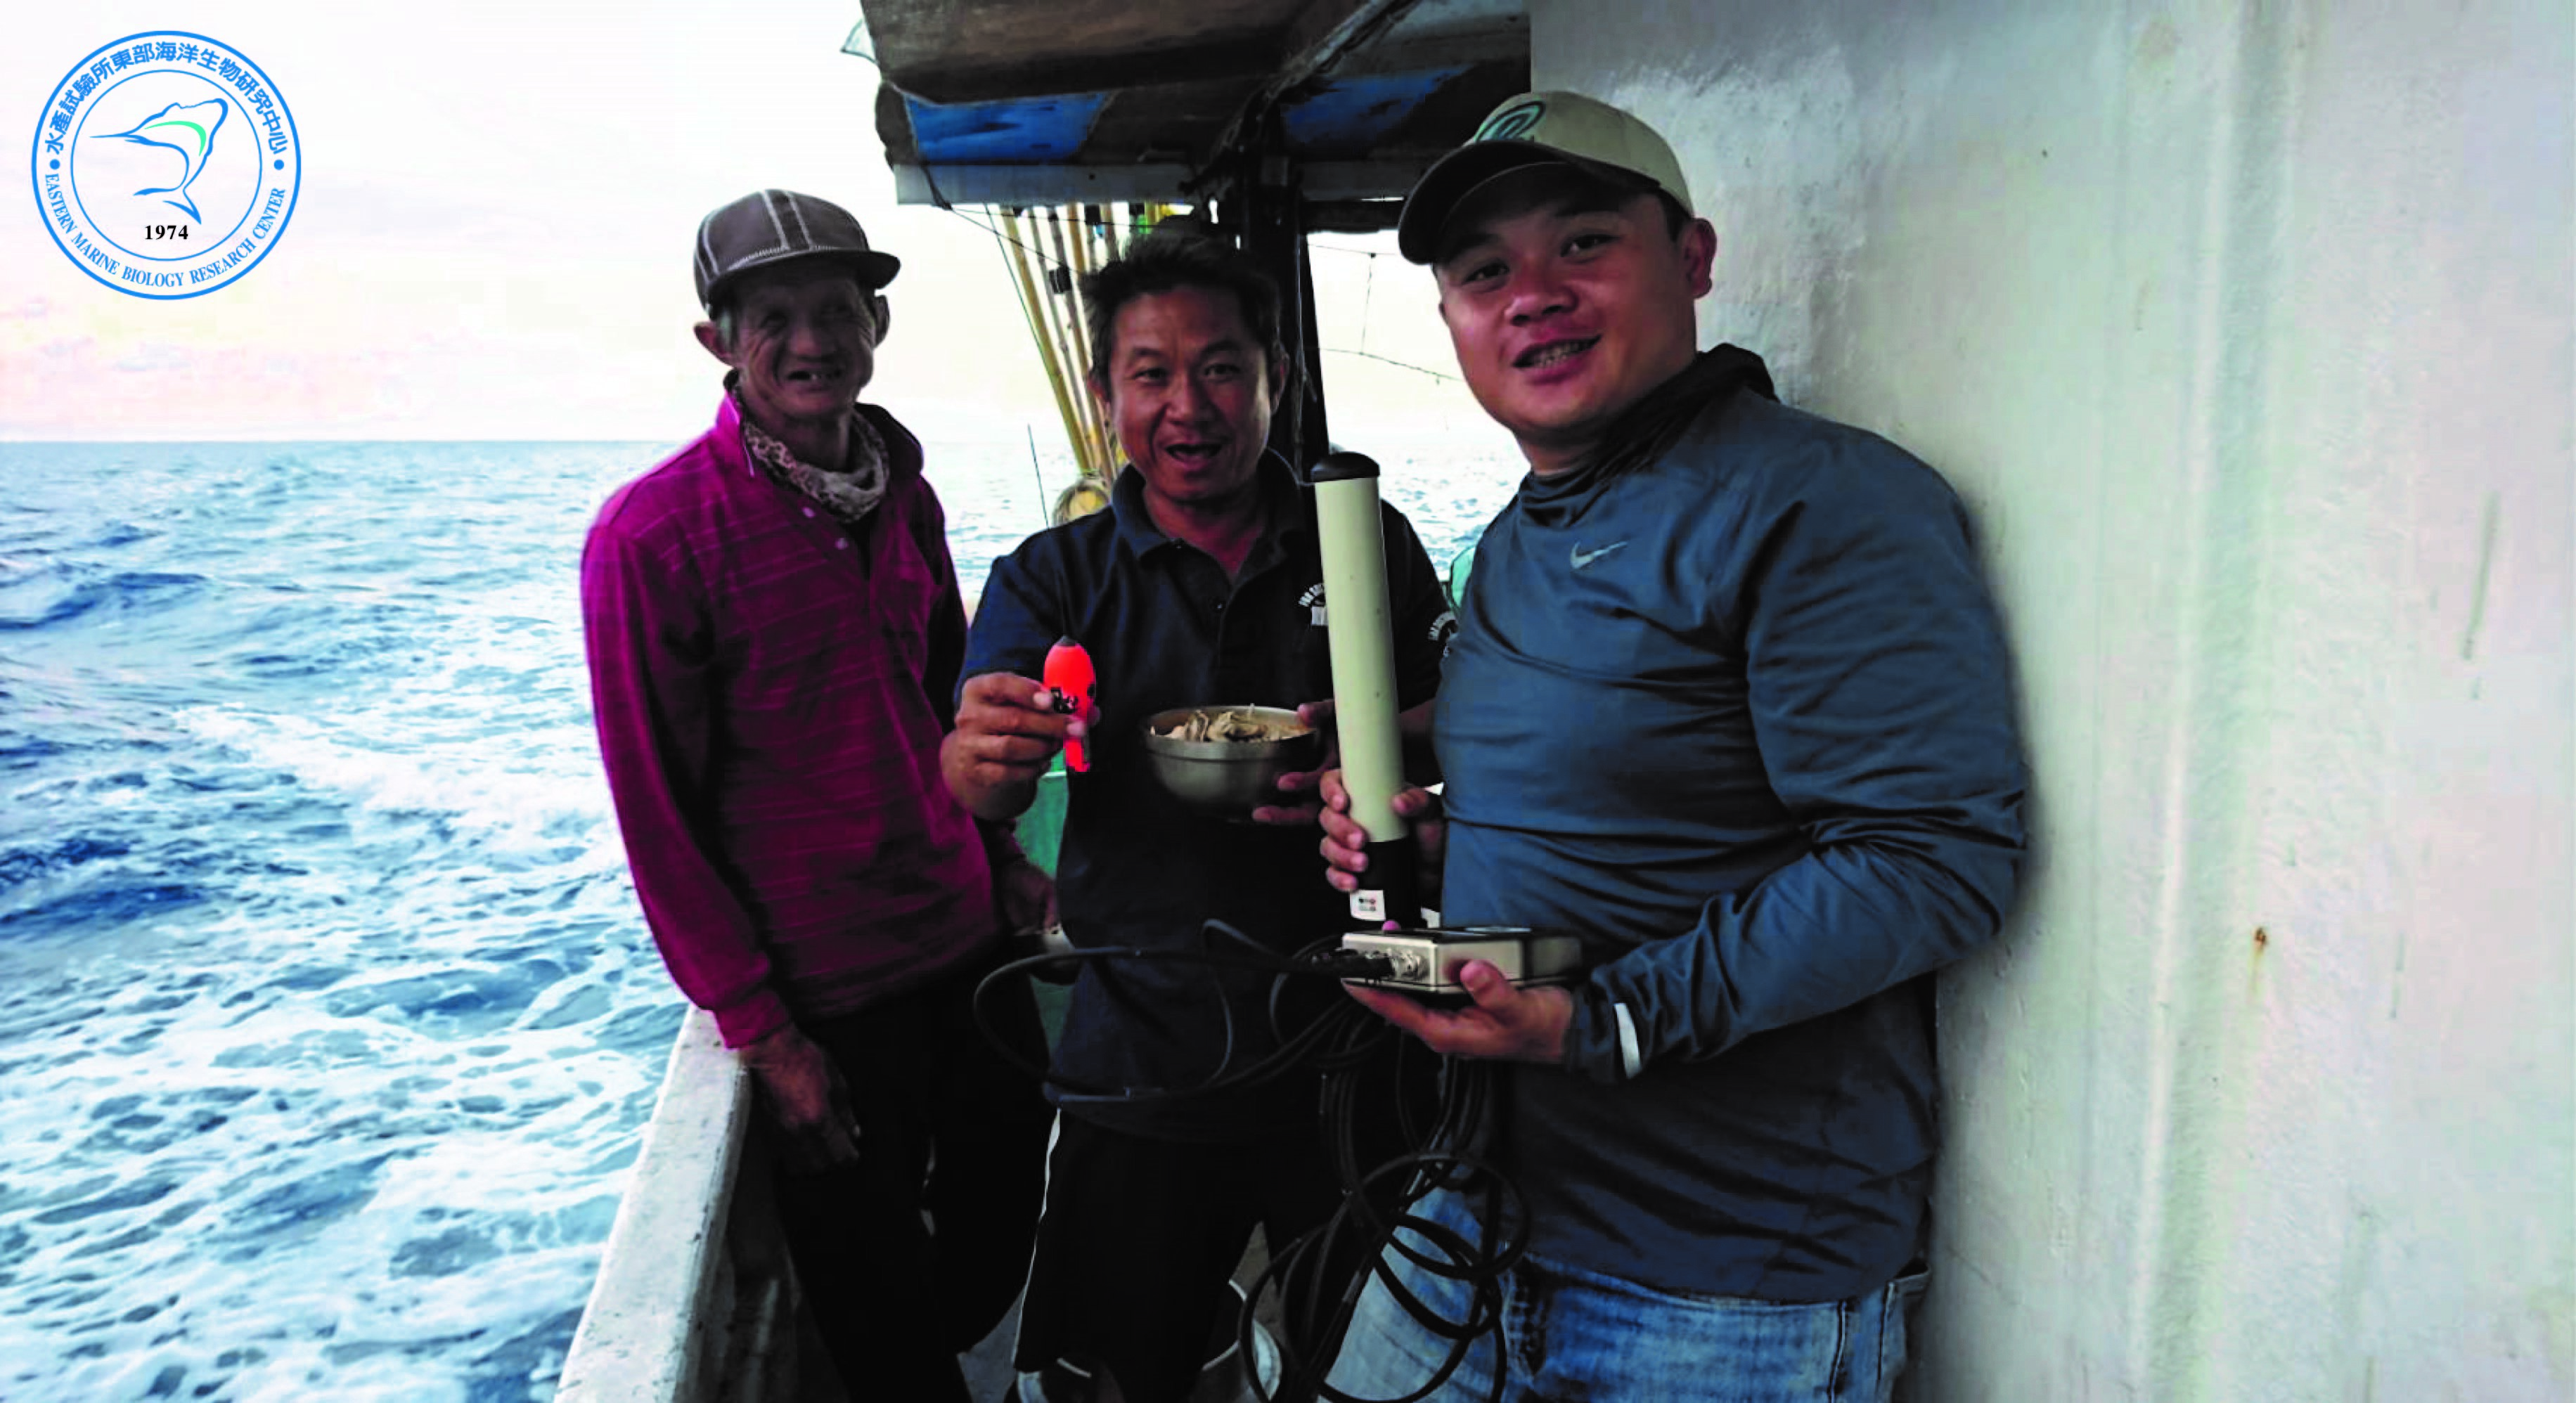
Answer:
x=1291 y=1050
x=1348 y=1046
x=1441 y=1162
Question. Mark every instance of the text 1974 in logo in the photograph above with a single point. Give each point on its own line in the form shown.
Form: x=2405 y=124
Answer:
x=166 y=165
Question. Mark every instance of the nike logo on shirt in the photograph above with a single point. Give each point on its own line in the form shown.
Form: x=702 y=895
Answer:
x=1584 y=557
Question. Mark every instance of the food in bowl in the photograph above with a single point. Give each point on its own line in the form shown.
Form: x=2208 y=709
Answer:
x=1233 y=724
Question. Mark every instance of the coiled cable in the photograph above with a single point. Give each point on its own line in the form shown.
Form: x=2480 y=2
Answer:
x=1353 y=1051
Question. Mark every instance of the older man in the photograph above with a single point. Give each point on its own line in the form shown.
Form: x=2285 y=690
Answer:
x=1201 y=584
x=774 y=631
x=1730 y=699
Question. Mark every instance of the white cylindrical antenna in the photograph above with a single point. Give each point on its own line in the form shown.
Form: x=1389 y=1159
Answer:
x=1363 y=651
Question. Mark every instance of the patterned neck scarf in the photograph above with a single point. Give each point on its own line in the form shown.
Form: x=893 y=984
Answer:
x=848 y=492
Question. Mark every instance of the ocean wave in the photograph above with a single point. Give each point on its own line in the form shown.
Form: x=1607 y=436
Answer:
x=20 y=751
x=125 y=591
x=473 y=780
x=121 y=534
x=21 y=865
x=113 y=902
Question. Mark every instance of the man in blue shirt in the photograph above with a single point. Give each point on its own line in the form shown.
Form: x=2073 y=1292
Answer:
x=1729 y=698
x=1200 y=585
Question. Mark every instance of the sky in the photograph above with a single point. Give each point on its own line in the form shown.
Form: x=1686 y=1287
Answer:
x=492 y=239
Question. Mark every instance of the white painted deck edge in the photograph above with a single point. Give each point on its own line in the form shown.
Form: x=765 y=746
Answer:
x=636 y=1343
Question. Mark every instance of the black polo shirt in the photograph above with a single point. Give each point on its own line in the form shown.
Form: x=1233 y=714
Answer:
x=1166 y=629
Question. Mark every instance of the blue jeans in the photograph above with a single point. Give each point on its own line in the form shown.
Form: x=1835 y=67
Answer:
x=1569 y=1334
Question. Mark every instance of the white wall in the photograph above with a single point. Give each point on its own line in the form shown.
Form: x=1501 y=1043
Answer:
x=2247 y=335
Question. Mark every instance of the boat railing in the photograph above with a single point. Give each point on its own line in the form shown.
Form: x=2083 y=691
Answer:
x=695 y=1301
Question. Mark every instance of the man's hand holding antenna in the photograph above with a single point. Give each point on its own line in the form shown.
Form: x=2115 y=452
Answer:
x=1345 y=844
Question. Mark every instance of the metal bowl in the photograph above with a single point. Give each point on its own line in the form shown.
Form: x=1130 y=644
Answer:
x=1228 y=778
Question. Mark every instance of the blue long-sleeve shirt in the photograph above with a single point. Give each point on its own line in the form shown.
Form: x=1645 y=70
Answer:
x=1743 y=717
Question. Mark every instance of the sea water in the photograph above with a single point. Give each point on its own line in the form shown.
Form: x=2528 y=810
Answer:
x=328 y=1025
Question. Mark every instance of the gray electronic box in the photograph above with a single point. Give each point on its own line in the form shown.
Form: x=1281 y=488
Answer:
x=1427 y=961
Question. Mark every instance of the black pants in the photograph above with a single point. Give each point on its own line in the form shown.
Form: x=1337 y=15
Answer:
x=1139 y=1239
x=947 y=1131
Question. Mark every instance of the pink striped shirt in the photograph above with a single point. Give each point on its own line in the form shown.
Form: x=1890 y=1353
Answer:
x=770 y=689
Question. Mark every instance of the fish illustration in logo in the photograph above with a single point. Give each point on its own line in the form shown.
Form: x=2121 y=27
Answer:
x=188 y=130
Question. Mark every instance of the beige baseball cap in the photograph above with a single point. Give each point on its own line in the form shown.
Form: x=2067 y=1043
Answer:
x=1539 y=129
